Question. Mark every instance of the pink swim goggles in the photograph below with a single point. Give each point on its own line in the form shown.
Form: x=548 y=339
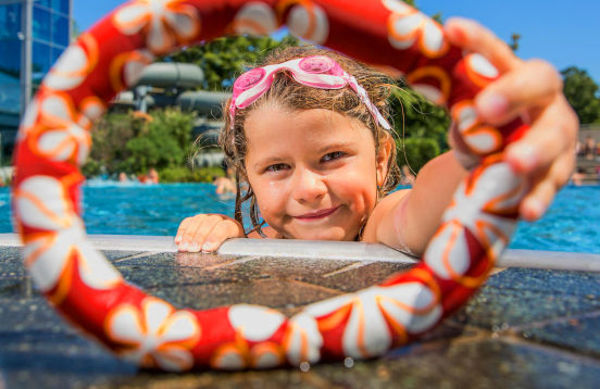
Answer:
x=316 y=71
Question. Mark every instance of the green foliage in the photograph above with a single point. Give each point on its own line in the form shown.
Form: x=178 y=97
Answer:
x=184 y=174
x=422 y=126
x=418 y=152
x=109 y=140
x=133 y=144
x=582 y=93
x=224 y=58
x=163 y=142
x=514 y=41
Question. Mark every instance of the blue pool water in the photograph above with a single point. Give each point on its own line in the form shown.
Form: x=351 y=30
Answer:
x=571 y=224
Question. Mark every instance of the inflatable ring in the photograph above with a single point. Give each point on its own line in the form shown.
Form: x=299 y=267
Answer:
x=84 y=287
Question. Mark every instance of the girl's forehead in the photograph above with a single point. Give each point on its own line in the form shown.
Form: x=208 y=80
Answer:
x=274 y=121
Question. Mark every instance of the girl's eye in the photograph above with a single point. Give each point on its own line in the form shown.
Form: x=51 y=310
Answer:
x=276 y=167
x=332 y=156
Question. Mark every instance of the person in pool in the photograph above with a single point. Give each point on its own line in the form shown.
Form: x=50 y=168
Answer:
x=320 y=163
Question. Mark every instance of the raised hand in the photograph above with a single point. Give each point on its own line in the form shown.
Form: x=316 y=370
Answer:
x=532 y=89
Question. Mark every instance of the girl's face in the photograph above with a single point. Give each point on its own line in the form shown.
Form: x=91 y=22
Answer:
x=314 y=172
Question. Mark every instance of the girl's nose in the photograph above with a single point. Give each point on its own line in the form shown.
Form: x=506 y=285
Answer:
x=308 y=186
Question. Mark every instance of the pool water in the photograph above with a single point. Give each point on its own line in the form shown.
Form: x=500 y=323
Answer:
x=571 y=224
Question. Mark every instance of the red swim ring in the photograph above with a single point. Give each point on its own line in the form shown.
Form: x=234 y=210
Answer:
x=54 y=141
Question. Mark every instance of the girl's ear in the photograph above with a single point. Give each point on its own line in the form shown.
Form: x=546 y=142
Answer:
x=383 y=157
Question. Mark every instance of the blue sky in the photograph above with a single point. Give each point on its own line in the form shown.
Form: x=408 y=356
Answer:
x=565 y=33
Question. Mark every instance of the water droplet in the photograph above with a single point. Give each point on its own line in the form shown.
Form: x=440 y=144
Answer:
x=349 y=362
x=304 y=367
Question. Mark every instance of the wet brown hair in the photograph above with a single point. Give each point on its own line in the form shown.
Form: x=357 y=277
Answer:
x=290 y=94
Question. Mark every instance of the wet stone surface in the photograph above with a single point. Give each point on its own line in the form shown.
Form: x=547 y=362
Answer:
x=527 y=297
x=578 y=334
x=526 y=328
x=12 y=262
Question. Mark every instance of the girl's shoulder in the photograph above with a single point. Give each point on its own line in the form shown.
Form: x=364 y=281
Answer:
x=383 y=215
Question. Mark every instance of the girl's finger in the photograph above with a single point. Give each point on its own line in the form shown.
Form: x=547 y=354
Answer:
x=203 y=230
x=534 y=84
x=189 y=238
x=552 y=134
x=180 y=230
x=472 y=36
x=221 y=231
x=539 y=198
x=185 y=233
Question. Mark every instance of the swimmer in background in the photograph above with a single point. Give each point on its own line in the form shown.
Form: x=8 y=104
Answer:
x=226 y=185
x=320 y=163
x=150 y=178
x=578 y=176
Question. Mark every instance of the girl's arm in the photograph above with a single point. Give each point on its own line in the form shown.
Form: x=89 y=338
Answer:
x=407 y=219
x=545 y=154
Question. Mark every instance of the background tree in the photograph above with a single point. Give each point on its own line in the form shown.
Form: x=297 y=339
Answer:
x=421 y=127
x=514 y=41
x=582 y=93
x=164 y=141
x=225 y=58
x=133 y=143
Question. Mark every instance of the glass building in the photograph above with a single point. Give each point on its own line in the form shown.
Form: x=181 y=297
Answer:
x=33 y=34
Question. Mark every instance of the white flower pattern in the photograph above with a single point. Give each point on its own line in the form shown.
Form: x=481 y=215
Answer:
x=255 y=18
x=74 y=65
x=407 y=26
x=410 y=307
x=155 y=334
x=47 y=255
x=485 y=208
x=168 y=22
x=309 y=22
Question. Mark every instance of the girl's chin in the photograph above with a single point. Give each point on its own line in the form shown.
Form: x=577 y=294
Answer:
x=328 y=234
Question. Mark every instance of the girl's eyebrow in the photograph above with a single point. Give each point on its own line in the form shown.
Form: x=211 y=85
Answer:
x=336 y=145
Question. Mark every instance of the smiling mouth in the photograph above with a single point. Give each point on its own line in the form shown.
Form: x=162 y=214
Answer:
x=320 y=214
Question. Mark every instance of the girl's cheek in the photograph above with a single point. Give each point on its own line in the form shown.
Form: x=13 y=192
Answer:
x=363 y=196
x=270 y=196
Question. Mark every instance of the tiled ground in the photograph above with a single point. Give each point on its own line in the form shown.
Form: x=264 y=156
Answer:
x=527 y=328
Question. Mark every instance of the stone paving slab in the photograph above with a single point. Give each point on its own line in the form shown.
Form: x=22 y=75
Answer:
x=495 y=309
x=579 y=334
x=526 y=328
x=516 y=299
x=548 y=281
x=266 y=292
x=356 y=277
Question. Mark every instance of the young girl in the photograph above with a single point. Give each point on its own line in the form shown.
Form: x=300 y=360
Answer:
x=318 y=158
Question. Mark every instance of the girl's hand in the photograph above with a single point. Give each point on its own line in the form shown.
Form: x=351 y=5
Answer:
x=533 y=88
x=206 y=232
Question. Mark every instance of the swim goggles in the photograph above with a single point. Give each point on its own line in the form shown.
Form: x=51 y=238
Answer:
x=316 y=71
